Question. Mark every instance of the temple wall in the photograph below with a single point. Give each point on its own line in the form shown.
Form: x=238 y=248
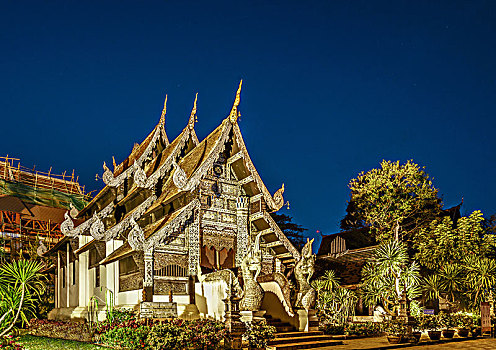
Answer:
x=209 y=296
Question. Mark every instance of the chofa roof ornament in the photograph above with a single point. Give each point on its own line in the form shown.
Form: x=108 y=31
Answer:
x=233 y=116
x=278 y=198
x=193 y=118
x=162 y=116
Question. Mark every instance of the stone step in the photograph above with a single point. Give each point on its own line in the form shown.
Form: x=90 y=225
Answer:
x=300 y=339
x=283 y=329
x=306 y=345
x=297 y=334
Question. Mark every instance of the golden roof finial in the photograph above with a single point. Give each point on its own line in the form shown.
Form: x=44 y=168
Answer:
x=162 y=117
x=192 y=118
x=233 y=116
x=113 y=161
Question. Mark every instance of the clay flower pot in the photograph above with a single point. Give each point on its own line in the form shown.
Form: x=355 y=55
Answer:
x=448 y=333
x=394 y=339
x=434 y=335
x=463 y=332
x=417 y=336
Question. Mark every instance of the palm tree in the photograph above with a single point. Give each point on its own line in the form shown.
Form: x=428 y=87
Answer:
x=481 y=277
x=387 y=274
x=21 y=285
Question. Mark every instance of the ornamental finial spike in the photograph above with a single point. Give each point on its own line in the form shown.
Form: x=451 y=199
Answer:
x=233 y=116
x=192 y=117
x=164 y=111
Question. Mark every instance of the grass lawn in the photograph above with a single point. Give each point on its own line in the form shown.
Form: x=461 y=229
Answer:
x=40 y=343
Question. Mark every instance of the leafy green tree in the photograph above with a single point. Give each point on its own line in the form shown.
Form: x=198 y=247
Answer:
x=336 y=303
x=387 y=275
x=458 y=257
x=21 y=285
x=291 y=230
x=394 y=199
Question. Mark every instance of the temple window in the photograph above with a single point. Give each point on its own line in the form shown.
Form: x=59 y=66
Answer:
x=127 y=266
x=97 y=276
x=171 y=271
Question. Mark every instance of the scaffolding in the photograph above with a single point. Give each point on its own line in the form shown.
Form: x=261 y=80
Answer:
x=21 y=231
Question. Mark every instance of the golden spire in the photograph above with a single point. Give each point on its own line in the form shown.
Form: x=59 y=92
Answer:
x=233 y=116
x=192 y=118
x=162 y=117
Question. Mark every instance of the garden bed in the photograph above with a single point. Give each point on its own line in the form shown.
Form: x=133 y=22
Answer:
x=77 y=331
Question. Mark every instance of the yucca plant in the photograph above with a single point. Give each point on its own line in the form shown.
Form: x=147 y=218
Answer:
x=21 y=285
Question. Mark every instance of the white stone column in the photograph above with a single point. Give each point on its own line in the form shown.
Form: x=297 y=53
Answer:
x=68 y=278
x=58 y=282
x=243 y=237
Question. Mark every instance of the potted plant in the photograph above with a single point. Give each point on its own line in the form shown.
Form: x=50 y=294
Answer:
x=448 y=321
x=432 y=324
x=417 y=330
x=476 y=325
x=464 y=323
x=395 y=330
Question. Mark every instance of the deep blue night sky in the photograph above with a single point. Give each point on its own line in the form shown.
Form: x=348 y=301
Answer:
x=330 y=88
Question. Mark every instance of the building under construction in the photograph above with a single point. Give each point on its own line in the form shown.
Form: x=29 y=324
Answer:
x=32 y=207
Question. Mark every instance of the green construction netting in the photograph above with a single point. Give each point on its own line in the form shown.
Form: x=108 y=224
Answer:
x=42 y=196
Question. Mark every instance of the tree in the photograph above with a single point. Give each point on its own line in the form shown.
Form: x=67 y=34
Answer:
x=291 y=230
x=337 y=303
x=458 y=258
x=387 y=275
x=394 y=198
x=21 y=285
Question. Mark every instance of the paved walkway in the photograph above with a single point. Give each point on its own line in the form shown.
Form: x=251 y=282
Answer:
x=382 y=343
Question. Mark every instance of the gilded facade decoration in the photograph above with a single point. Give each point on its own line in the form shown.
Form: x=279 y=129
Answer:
x=186 y=213
x=125 y=223
x=194 y=242
x=163 y=287
x=218 y=241
x=179 y=177
x=129 y=282
x=139 y=176
x=67 y=226
x=148 y=278
x=68 y=229
x=303 y=271
x=161 y=260
x=97 y=228
x=136 y=237
x=250 y=268
x=243 y=236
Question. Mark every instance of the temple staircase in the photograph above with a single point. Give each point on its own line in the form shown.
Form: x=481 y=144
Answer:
x=289 y=339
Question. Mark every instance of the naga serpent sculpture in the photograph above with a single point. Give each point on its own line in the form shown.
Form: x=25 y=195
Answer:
x=251 y=266
x=303 y=271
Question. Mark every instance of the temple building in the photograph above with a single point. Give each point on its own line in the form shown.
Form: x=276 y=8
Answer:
x=171 y=228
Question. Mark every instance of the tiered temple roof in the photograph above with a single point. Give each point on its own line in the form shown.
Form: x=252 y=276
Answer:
x=151 y=195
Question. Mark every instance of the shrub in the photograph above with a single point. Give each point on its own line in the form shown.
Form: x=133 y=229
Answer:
x=259 y=334
x=129 y=335
x=78 y=331
x=9 y=343
x=332 y=329
x=368 y=328
x=394 y=327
